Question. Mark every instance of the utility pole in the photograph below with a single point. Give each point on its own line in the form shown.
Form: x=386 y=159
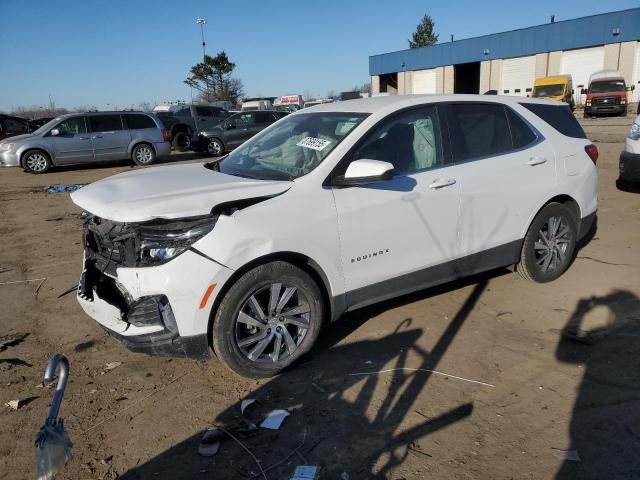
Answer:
x=202 y=22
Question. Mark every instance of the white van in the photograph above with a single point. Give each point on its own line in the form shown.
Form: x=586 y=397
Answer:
x=256 y=105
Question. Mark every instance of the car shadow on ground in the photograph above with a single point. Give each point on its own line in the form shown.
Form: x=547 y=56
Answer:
x=339 y=421
x=605 y=423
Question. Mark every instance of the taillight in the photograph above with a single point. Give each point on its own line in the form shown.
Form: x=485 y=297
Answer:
x=592 y=151
x=165 y=136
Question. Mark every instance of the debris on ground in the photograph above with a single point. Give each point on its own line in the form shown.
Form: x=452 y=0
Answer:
x=210 y=442
x=306 y=472
x=11 y=340
x=15 y=362
x=110 y=366
x=13 y=404
x=63 y=188
x=274 y=419
x=568 y=455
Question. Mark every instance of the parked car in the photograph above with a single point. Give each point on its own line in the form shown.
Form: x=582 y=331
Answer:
x=330 y=209
x=607 y=93
x=12 y=126
x=234 y=131
x=36 y=123
x=88 y=137
x=558 y=87
x=182 y=121
x=629 y=164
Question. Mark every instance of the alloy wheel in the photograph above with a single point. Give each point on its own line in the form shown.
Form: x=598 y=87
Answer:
x=552 y=244
x=214 y=148
x=37 y=162
x=272 y=323
x=144 y=155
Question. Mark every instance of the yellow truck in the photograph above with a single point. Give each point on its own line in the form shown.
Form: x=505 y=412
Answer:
x=559 y=87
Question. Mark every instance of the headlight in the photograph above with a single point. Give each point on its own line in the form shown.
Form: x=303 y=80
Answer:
x=623 y=102
x=160 y=243
x=634 y=133
x=588 y=103
x=7 y=146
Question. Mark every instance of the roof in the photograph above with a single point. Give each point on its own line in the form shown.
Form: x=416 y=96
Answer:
x=552 y=79
x=397 y=102
x=564 y=35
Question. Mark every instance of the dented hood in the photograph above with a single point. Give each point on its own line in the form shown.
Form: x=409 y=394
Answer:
x=169 y=192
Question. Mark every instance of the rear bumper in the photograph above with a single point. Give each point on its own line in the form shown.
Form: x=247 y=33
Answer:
x=586 y=224
x=629 y=166
x=163 y=148
x=596 y=109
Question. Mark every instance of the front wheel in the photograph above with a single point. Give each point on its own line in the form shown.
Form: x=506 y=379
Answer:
x=267 y=320
x=143 y=154
x=36 y=161
x=548 y=247
x=215 y=147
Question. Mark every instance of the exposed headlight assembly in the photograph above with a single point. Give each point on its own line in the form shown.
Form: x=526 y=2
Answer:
x=7 y=146
x=634 y=133
x=160 y=243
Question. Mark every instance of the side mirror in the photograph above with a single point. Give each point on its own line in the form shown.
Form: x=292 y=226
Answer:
x=229 y=126
x=55 y=132
x=583 y=91
x=364 y=172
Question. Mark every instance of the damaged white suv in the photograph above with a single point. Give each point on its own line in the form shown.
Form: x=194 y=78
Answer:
x=330 y=209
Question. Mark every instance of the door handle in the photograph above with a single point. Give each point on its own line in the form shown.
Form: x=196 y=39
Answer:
x=533 y=161
x=442 y=182
x=96 y=136
x=83 y=138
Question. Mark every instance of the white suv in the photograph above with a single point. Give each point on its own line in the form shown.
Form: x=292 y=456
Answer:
x=327 y=210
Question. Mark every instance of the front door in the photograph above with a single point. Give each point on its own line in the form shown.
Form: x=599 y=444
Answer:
x=240 y=128
x=73 y=143
x=399 y=236
x=110 y=137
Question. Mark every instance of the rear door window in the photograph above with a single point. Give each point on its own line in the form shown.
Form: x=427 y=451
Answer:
x=478 y=130
x=521 y=133
x=263 y=117
x=105 y=123
x=559 y=117
x=138 y=121
x=204 y=111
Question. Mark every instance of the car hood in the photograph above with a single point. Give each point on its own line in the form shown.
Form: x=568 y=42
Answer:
x=18 y=138
x=169 y=192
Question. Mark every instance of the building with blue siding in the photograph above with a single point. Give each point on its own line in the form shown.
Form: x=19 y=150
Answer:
x=509 y=62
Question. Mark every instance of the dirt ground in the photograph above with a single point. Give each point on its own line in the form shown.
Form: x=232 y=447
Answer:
x=509 y=399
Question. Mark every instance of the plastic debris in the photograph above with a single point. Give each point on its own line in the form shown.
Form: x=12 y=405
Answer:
x=245 y=403
x=63 y=188
x=110 y=366
x=274 y=419
x=13 y=404
x=568 y=455
x=210 y=442
x=306 y=472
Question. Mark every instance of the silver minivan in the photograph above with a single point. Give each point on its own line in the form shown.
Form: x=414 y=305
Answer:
x=80 y=138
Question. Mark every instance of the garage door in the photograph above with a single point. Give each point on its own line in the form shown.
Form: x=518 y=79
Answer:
x=517 y=75
x=580 y=64
x=424 y=81
x=636 y=75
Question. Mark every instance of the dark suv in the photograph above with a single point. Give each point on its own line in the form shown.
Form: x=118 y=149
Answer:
x=234 y=131
x=11 y=126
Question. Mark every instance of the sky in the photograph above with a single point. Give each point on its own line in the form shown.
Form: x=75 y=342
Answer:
x=120 y=53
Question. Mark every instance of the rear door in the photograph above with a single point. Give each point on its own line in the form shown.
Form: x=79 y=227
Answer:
x=504 y=167
x=72 y=144
x=110 y=137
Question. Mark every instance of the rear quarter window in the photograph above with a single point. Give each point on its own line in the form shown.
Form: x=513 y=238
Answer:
x=559 y=117
x=136 y=122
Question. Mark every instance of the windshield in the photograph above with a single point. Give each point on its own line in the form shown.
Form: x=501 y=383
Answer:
x=607 y=86
x=554 y=90
x=44 y=128
x=291 y=148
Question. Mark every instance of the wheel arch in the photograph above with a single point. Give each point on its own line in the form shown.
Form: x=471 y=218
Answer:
x=564 y=199
x=23 y=154
x=137 y=142
x=305 y=263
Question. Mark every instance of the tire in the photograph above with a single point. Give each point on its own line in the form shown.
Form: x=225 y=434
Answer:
x=538 y=263
x=181 y=141
x=246 y=337
x=215 y=147
x=36 y=161
x=143 y=154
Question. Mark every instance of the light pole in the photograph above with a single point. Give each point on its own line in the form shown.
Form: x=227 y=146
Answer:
x=202 y=22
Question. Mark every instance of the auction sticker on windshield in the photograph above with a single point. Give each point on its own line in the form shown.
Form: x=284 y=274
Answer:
x=313 y=143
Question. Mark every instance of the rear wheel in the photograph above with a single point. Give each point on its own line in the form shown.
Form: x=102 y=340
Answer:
x=549 y=245
x=143 y=154
x=36 y=161
x=267 y=320
x=181 y=141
